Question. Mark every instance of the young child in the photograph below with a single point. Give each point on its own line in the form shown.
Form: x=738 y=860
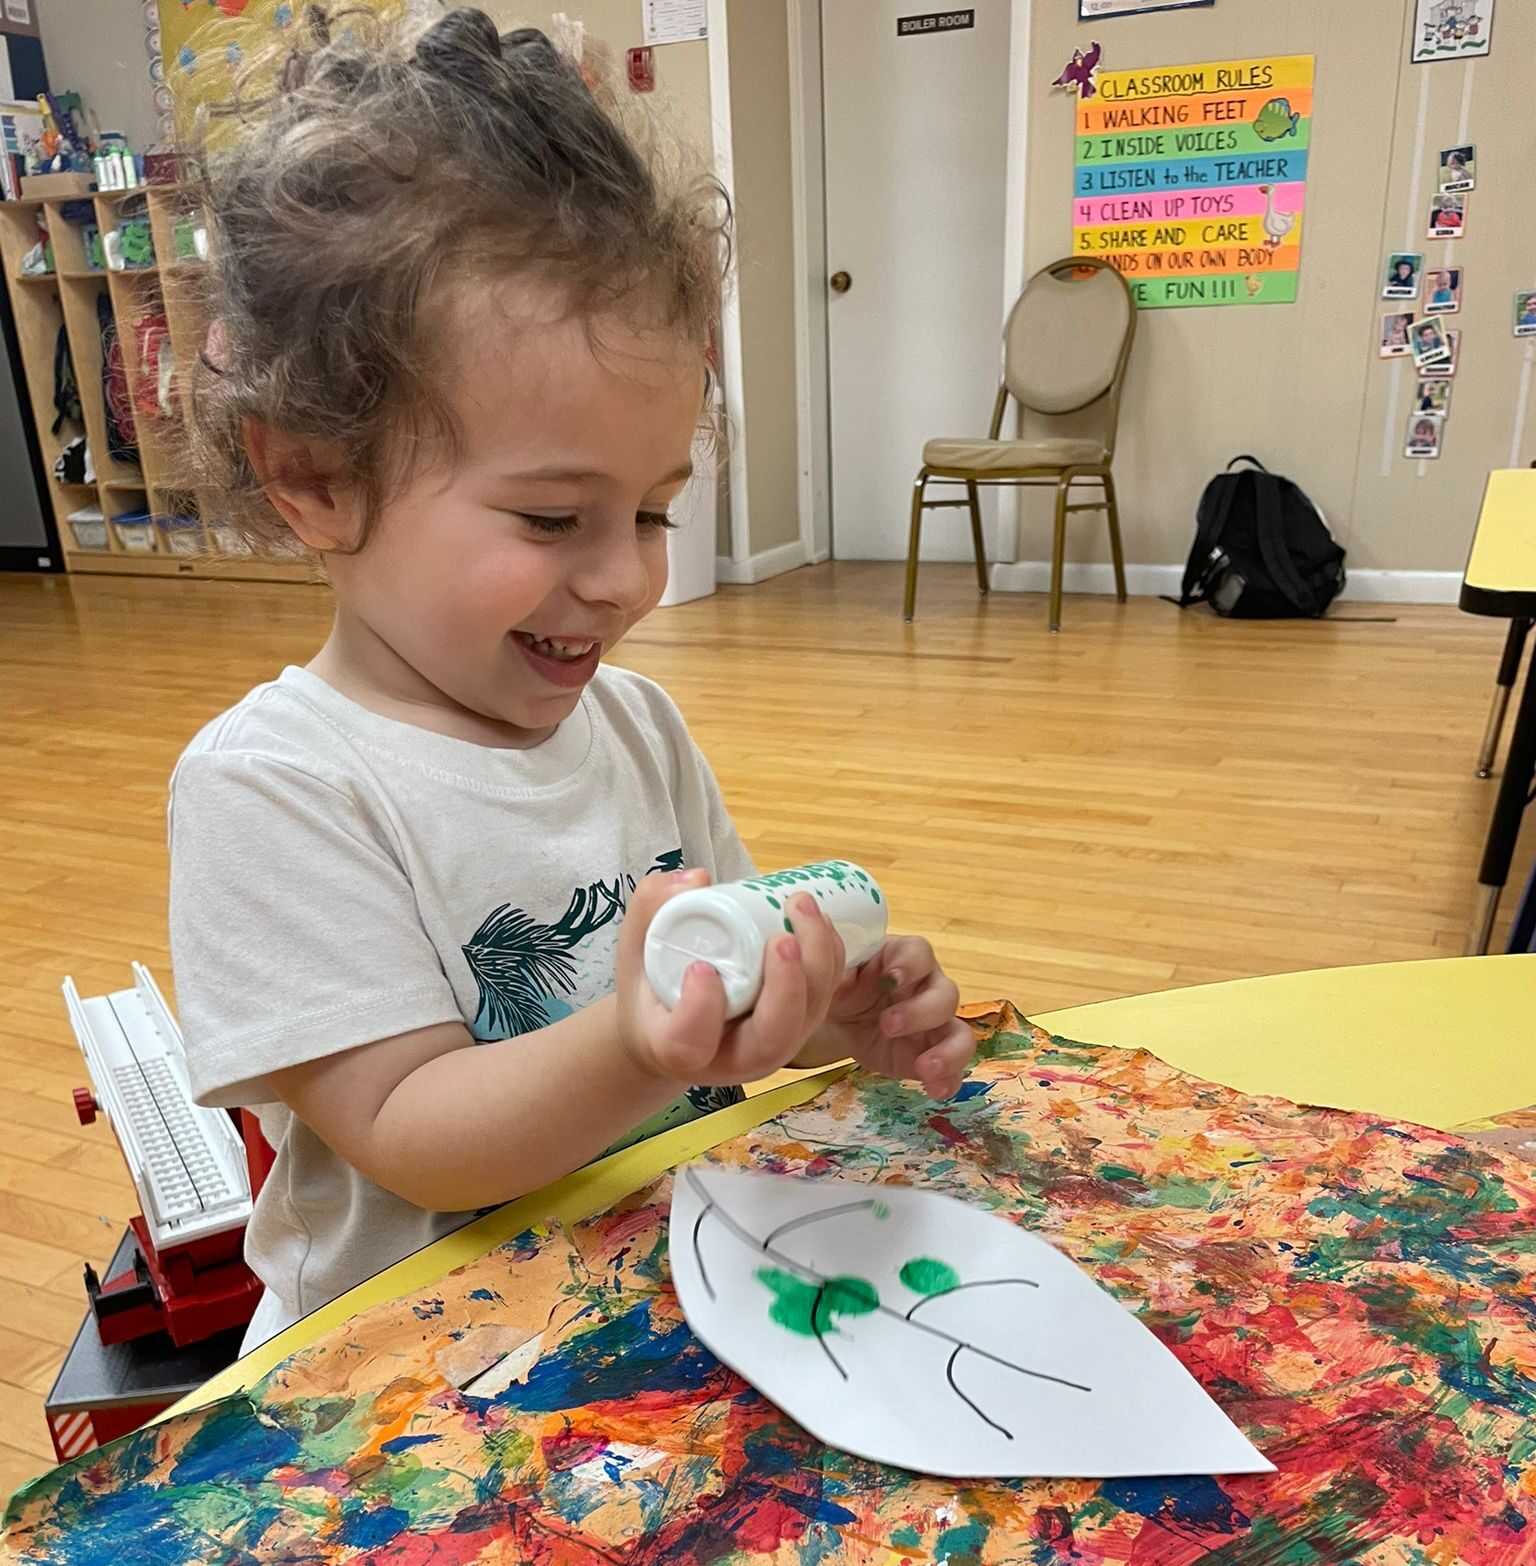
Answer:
x=461 y=355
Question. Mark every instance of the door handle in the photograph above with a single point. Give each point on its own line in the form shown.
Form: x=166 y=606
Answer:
x=840 y=282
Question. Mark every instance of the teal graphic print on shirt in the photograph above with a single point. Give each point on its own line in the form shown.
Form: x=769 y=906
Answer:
x=526 y=970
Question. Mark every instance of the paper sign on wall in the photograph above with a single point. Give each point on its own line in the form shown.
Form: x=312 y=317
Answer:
x=1451 y=30
x=675 y=21
x=1191 y=179
x=1092 y=10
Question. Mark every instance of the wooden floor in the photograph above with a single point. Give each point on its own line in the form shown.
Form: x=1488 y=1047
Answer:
x=1149 y=799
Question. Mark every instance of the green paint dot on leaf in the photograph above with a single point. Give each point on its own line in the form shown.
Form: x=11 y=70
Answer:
x=810 y=1308
x=924 y=1275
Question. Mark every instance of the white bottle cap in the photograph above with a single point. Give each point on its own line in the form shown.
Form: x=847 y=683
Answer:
x=705 y=926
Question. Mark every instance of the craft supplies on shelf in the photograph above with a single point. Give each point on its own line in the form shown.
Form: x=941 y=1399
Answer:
x=189 y=238
x=135 y=243
x=95 y=250
x=115 y=165
x=115 y=275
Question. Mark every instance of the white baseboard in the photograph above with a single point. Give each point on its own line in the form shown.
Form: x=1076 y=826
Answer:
x=1151 y=581
x=758 y=568
x=1403 y=587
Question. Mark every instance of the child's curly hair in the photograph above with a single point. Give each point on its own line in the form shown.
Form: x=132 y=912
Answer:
x=378 y=169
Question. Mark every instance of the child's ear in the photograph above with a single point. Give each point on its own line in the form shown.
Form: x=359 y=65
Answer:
x=299 y=477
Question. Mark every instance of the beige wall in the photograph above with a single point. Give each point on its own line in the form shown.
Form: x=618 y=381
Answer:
x=1301 y=386
x=758 y=32
x=96 y=48
x=681 y=98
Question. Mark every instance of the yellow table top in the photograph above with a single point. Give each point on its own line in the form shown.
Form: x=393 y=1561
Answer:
x=1500 y=578
x=1442 y=1043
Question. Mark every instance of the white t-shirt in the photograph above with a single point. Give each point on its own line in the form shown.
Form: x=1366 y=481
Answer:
x=338 y=877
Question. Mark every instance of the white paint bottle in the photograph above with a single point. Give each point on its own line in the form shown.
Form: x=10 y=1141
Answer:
x=730 y=926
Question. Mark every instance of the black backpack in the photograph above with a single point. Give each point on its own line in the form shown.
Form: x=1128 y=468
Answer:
x=1262 y=549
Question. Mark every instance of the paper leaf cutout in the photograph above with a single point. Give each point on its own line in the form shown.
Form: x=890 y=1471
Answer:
x=911 y=1329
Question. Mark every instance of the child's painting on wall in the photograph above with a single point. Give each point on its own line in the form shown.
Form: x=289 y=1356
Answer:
x=1452 y=30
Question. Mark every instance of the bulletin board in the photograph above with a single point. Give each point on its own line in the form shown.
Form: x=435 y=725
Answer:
x=1191 y=180
x=205 y=43
x=181 y=21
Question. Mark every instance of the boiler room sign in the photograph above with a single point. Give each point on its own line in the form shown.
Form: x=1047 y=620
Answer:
x=1191 y=179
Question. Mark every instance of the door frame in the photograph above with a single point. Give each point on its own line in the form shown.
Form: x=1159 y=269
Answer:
x=808 y=196
x=732 y=396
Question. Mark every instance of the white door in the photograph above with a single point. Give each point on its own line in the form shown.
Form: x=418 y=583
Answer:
x=916 y=122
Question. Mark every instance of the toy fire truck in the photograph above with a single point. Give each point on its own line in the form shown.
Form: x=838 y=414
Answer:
x=187 y=1276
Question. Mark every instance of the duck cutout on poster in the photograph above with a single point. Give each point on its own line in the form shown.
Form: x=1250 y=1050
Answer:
x=911 y=1329
x=1277 y=224
x=1077 y=75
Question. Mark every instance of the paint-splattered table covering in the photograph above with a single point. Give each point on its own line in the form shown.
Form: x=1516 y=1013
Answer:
x=1359 y=1296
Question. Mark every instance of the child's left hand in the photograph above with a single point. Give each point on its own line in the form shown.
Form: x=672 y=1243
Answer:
x=896 y=1015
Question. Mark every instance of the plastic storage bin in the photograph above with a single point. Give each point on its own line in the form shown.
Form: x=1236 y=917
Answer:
x=181 y=535
x=136 y=532
x=228 y=541
x=89 y=527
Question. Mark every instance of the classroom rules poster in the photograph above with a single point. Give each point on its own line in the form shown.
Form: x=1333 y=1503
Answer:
x=1191 y=180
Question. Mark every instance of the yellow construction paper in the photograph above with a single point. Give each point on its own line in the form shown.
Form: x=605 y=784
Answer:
x=579 y=1195
x=1440 y=1042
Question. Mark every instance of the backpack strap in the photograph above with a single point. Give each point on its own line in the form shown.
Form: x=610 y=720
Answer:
x=1207 y=536
x=1275 y=551
x=1251 y=461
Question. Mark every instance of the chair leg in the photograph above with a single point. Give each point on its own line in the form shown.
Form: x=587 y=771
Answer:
x=912 y=543
x=1059 y=552
x=1117 y=553
x=973 y=499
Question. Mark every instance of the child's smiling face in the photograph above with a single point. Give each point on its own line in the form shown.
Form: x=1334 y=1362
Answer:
x=494 y=579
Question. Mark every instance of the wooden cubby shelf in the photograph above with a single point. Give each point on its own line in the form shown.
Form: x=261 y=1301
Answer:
x=132 y=521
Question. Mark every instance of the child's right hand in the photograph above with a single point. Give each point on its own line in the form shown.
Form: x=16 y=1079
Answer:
x=693 y=1044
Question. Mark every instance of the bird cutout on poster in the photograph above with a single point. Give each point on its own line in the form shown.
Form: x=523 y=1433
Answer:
x=1277 y=224
x=911 y=1329
x=1077 y=75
